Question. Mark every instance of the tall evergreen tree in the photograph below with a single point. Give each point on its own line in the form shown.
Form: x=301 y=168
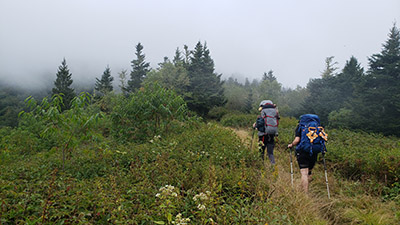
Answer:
x=269 y=76
x=170 y=76
x=205 y=84
x=247 y=83
x=187 y=53
x=122 y=80
x=330 y=67
x=104 y=85
x=63 y=84
x=178 y=57
x=323 y=94
x=346 y=81
x=139 y=69
x=378 y=95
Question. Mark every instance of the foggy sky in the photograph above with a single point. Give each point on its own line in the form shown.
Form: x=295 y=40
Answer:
x=245 y=38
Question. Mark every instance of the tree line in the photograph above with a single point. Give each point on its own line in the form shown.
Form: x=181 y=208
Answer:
x=348 y=98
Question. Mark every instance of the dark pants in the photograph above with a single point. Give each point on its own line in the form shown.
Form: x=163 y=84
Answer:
x=267 y=141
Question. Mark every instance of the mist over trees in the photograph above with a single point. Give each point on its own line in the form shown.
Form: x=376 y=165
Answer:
x=348 y=97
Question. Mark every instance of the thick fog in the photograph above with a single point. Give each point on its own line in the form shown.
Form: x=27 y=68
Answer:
x=245 y=38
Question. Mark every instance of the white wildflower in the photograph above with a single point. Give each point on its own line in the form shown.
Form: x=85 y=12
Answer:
x=201 y=207
x=168 y=190
x=180 y=221
x=158 y=195
x=202 y=196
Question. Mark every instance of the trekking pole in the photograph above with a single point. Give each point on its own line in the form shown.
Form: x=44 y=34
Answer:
x=291 y=165
x=326 y=175
x=252 y=140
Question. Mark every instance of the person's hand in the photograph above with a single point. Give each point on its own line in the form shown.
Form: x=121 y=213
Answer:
x=290 y=145
x=254 y=125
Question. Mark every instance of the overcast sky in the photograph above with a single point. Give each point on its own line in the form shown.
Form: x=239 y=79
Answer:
x=245 y=38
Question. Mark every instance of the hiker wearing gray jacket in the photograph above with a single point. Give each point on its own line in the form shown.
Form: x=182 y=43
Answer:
x=267 y=126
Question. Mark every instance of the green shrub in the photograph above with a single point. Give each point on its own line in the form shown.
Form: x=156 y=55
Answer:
x=341 y=119
x=365 y=156
x=146 y=113
x=217 y=113
x=238 y=120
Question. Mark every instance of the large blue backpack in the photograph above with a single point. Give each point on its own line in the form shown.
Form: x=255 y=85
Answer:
x=313 y=136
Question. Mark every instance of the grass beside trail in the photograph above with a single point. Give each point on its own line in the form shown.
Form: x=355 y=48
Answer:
x=352 y=201
x=200 y=172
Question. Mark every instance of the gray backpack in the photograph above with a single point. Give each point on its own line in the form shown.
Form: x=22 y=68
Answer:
x=271 y=118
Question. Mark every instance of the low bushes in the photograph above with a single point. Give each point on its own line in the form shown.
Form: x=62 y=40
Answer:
x=238 y=120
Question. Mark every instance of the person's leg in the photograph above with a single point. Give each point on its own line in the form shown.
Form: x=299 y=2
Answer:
x=313 y=160
x=270 y=151
x=303 y=160
x=304 y=179
x=270 y=148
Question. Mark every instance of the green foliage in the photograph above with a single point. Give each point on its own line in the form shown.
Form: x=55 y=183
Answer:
x=140 y=68
x=268 y=89
x=104 y=85
x=377 y=95
x=269 y=76
x=205 y=85
x=292 y=101
x=236 y=95
x=329 y=68
x=146 y=113
x=65 y=130
x=161 y=181
x=365 y=156
x=170 y=76
x=238 y=120
x=341 y=119
x=62 y=85
x=217 y=113
x=11 y=102
x=392 y=192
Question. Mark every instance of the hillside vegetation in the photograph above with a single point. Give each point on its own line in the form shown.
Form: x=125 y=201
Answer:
x=144 y=160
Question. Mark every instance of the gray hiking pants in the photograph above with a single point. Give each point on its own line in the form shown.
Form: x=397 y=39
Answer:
x=267 y=141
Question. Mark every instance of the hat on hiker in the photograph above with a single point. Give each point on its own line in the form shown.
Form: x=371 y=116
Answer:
x=266 y=102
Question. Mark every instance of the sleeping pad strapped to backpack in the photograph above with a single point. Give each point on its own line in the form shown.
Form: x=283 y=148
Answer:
x=313 y=136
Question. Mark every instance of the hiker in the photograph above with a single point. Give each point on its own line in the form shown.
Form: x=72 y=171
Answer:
x=309 y=140
x=267 y=126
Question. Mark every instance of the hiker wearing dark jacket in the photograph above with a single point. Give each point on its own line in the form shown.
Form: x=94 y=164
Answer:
x=267 y=128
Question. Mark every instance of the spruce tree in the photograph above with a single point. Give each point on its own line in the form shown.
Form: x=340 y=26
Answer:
x=330 y=68
x=378 y=95
x=205 y=84
x=346 y=81
x=269 y=76
x=178 y=58
x=63 y=84
x=139 y=69
x=123 y=82
x=104 y=85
